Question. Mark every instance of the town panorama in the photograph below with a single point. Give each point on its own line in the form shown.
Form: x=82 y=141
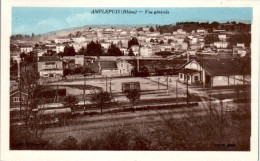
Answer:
x=183 y=86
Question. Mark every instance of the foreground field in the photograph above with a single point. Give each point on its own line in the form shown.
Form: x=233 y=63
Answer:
x=171 y=129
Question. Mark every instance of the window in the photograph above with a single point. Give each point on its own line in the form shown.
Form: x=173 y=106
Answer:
x=196 y=78
x=188 y=77
x=181 y=76
x=17 y=99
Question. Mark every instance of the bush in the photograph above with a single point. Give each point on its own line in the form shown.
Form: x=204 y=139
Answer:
x=69 y=144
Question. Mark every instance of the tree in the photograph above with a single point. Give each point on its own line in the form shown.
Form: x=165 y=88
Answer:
x=151 y=29
x=133 y=96
x=133 y=41
x=131 y=53
x=82 y=51
x=113 y=50
x=71 y=100
x=161 y=31
x=100 y=98
x=211 y=38
x=94 y=49
x=69 y=51
x=30 y=84
x=169 y=41
x=139 y=29
x=161 y=42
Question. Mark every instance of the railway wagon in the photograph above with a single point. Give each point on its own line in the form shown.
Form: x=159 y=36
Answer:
x=130 y=86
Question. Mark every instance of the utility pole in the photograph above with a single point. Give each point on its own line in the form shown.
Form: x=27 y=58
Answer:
x=106 y=83
x=167 y=86
x=158 y=87
x=177 y=91
x=210 y=109
x=57 y=93
x=84 y=93
x=19 y=82
x=187 y=92
x=110 y=85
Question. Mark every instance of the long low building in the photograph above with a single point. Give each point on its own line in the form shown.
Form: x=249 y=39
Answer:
x=215 y=72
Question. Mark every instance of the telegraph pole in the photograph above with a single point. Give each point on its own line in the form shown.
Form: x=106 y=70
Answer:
x=167 y=86
x=106 y=83
x=177 y=91
x=19 y=82
x=84 y=93
x=110 y=85
x=187 y=92
x=158 y=87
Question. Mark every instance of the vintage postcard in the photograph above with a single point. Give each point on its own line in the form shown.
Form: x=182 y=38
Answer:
x=121 y=80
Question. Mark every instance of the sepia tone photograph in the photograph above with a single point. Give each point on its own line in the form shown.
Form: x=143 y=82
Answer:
x=103 y=79
x=138 y=79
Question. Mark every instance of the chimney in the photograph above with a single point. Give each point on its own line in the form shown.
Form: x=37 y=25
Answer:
x=188 y=56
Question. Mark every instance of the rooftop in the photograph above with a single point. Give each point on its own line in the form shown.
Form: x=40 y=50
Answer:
x=48 y=58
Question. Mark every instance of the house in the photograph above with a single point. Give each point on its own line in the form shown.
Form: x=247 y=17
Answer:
x=242 y=45
x=215 y=72
x=15 y=54
x=180 y=31
x=222 y=37
x=108 y=68
x=18 y=98
x=124 y=67
x=60 y=41
x=79 y=39
x=221 y=44
x=79 y=60
x=50 y=66
x=201 y=31
x=26 y=49
x=146 y=51
x=60 y=48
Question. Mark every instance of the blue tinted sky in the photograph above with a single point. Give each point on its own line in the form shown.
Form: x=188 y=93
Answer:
x=26 y=20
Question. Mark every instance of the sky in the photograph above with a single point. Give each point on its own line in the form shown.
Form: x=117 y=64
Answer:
x=39 y=20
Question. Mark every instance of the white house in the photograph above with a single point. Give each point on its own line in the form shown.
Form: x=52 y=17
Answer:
x=79 y=39
x=79 y=60
x=221 y=44
x=124 y=67
x=26 y=49
x=146 y=51
x=60 y=48
x=60 y=41
x=222 y=37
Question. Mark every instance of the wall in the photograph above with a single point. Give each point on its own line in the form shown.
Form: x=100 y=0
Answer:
x=228 y=80
x=109 y=73
x=56 y=73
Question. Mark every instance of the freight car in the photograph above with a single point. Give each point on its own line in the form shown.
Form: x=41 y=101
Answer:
x=130 y=86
